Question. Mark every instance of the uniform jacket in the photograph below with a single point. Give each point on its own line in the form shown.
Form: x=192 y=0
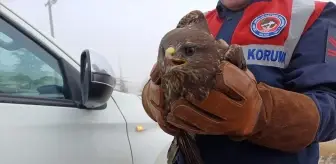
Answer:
x=286 y=46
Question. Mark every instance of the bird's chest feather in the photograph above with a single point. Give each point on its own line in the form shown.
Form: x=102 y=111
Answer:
x=193 y=84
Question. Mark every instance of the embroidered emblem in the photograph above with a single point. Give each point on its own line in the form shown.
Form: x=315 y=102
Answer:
x=268 y=25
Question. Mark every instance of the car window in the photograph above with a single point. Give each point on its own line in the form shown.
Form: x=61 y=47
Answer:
x=26 y=69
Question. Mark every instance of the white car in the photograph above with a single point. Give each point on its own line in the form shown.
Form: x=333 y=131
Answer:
x=59 y=110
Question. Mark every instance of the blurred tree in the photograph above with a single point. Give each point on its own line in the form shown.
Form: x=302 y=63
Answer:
x=28 y=63
x=123 y=86
x=121 y=82
x=21 y=79
x=46 y=80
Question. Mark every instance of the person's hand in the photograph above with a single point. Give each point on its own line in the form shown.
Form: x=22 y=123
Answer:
x=250 y=74
x=240 y=108
x=232 y=108
x=152 y=100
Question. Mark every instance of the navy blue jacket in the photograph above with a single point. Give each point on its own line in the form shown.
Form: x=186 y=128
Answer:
x=312 y=71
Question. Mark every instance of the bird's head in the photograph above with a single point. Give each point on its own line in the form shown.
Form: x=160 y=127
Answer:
x=189 y=52
x=190 y=46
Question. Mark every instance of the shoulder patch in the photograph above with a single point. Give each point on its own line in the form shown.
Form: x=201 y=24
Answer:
x=268 y=25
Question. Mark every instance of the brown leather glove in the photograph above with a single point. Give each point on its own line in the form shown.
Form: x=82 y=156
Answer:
x=240 y=107
x=152 y=101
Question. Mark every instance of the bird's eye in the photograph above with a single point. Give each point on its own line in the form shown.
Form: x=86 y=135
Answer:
x=189 y=51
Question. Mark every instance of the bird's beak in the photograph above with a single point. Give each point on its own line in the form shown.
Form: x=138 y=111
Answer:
x=169 y=55
x=170 y=52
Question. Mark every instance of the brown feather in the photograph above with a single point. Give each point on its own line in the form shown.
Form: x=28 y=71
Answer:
x=190 y=72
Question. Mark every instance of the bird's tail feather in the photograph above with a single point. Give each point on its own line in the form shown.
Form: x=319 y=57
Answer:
x=188 y=148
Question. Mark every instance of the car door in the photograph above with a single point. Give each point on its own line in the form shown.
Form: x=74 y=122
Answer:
x=40 y=120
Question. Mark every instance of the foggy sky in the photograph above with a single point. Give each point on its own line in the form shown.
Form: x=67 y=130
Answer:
x=130 y=30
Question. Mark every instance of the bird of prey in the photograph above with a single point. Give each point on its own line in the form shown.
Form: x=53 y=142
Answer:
x=189 y=58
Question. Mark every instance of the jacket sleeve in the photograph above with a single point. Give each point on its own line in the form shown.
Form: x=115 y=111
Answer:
x=312 y=70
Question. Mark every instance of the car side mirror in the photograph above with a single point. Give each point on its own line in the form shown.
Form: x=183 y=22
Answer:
x=97 y=79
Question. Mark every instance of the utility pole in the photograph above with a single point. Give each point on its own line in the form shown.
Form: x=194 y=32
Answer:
x=51 y=24
x=51 y=21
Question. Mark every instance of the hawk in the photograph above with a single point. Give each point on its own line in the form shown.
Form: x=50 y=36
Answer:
x=189 y=58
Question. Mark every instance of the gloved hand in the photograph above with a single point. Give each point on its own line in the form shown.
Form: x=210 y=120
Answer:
x=224 y=112
x=152 y=101
x=240 y=107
